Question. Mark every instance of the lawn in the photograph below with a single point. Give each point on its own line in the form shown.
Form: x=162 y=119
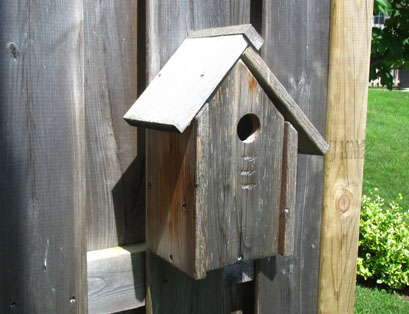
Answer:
x=386 y=168
x=376 y=301
x=387 y=145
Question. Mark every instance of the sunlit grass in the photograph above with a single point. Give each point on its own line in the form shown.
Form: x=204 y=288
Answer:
x=387 y=145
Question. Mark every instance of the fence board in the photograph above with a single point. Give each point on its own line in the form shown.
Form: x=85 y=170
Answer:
x=42 y=186
x=115 y=151
x=167 y=26
x=296 y=50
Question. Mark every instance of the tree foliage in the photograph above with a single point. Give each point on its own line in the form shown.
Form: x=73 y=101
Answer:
x=390 y=45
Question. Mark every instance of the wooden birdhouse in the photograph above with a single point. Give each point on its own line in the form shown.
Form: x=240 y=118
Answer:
x=221 y=153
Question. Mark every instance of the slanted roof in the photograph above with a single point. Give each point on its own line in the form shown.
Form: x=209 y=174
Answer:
x=182 y=87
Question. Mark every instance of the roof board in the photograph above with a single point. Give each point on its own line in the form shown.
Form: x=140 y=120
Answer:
x=181 y=88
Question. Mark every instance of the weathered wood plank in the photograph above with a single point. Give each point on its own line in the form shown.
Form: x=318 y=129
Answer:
x=42 y=161
x=350 y=47
x=244 y=179
x=114 y=150
x=170 y=200
x=167 y=26
x=116 y=279
x=310 y=140
x=182 y=86
x=296 y=50
x=240 y=12
x=288 y=192
x=176 y=292
x=245 y=29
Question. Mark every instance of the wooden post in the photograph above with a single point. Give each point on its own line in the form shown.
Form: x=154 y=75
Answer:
x=350 y=43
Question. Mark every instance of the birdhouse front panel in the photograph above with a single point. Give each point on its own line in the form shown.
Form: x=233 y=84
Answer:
x=243 y=145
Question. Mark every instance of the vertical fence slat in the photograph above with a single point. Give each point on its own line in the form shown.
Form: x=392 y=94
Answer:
x=296 y=49
x=350 y=48
x=114 y=150
x=42 y=185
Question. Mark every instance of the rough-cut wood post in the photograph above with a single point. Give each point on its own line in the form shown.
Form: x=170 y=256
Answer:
x=42 y=185
x=350 y=45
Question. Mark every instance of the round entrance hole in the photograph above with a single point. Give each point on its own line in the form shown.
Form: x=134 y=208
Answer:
x=248 y=128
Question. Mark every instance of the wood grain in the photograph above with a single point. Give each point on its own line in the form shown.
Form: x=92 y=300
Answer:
x=295 y=48
x=170 y=200
x=116 y=279
x=350 y=47
x=114 y=150
x=42 y=161
x=288 y=192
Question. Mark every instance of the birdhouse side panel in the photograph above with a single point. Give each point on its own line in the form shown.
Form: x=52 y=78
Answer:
x=244 y=151
x=170 y=176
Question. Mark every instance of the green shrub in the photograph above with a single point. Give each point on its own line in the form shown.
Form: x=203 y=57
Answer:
x=384 y=242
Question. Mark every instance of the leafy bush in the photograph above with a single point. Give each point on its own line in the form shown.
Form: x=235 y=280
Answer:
x=384 y=242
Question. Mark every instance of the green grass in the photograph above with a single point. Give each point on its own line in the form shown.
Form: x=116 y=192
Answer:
x=387 y=145
x=376 y=301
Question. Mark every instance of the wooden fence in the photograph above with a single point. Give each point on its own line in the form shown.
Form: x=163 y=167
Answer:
x=72 y=171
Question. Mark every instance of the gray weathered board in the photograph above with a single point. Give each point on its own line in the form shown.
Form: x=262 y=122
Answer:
x=165 y=283
x=114 y=151
x=116 y=279
x=42 y=161
x=296 y=50
x=172 y=291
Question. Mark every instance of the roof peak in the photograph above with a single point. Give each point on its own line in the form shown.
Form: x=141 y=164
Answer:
x=247 y=30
